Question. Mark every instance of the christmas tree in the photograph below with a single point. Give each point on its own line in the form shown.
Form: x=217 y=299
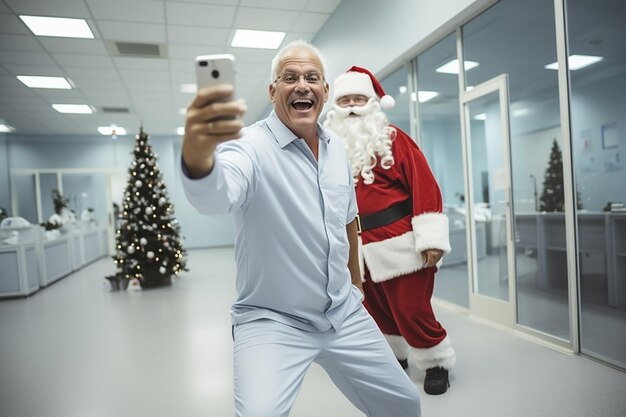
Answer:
x=552 y=197
x=148 y=243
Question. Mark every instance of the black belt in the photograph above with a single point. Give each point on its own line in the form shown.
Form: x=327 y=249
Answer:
x=386 y=216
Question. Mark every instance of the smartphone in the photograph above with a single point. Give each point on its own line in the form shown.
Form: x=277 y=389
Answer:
x=215 y=69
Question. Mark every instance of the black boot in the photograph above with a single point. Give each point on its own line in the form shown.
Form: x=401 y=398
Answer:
x=436 y=381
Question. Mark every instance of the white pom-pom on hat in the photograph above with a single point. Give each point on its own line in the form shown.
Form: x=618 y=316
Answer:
x=387 y=102
x=358 y=80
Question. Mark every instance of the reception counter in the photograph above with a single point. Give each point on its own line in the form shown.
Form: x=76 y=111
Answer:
x=34 y=262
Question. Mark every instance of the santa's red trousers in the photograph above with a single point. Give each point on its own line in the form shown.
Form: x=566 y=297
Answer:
x=401 y=306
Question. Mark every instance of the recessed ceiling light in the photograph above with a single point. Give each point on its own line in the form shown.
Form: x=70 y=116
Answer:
x=5 y=128
x=523 y=111
x=45 y=82
x=188 y=88
x=452 y=67
x=180 y=130
x=58 y=26
x=577 y=62
x=73 y=108
x=112 y=130
x=257 y=39
x=481 y=116
x=402 y=89
x=424 y=96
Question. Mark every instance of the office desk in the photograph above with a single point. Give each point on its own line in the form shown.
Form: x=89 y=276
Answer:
x=602 y=234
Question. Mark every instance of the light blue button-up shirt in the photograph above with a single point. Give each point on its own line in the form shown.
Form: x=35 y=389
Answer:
x=290 y=215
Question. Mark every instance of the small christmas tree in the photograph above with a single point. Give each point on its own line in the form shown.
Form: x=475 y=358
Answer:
x=148 y=245
x=552 y=197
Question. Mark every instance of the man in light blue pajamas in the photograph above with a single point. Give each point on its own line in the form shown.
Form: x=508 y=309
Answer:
x=287 y=183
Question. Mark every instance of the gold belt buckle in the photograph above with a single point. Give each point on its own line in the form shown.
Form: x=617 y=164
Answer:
x=358 y=224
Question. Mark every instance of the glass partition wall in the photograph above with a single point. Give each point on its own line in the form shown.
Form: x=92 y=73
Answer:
x=596 y=34
x=439 y=127
x=568 y=231
x=90 y=196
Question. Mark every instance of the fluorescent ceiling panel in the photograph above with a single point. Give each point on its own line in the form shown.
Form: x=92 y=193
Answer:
x=112 y=130
x=452 y=67
x=424 y=96
x=5 y=128
x=189 y=88
x=577 y=62
x=73 y=108
x=59 y=83
x=58 y=26
x=262 y=39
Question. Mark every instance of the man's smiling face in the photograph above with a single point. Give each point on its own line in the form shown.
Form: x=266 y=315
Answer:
x=298 y=105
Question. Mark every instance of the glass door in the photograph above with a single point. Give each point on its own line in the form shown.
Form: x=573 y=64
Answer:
x=489 y=205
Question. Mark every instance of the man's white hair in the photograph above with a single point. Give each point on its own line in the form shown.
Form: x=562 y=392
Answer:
x=297 y=44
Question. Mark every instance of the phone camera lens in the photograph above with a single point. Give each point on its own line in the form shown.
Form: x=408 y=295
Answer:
x=215 y=73
x=203 y=63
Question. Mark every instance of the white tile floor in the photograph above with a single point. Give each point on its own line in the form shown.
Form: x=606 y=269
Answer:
x=76 y=350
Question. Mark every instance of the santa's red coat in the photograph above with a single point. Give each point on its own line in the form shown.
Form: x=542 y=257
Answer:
x=397 y=289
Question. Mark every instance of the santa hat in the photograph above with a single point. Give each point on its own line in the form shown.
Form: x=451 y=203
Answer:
x=359 y=80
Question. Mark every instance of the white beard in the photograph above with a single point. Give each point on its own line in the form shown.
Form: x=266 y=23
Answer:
x=367 y=137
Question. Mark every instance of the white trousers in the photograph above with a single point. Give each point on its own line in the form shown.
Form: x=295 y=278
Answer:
x=271 y=360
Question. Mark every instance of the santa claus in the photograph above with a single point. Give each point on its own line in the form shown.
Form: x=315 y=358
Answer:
x=404 y=232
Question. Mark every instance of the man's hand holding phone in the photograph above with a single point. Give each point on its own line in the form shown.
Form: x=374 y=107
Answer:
x=213 y=117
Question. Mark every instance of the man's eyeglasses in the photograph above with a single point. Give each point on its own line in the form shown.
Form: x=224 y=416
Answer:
x=358 y=100
x=291 y=78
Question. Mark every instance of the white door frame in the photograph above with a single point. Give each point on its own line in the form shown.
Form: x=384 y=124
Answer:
x=496 y=310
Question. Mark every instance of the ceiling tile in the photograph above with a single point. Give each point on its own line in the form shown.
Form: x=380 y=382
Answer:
x=132 y=32
x=310 y=22
x=76 y=46
x=55 y=8
x=199 y=15
x=26 y=69
x=19 y=42
x=84 y=61
x=12 y=24
x=145 y=64
x=197 y=35
x=79 y=75
x=145 y=76
x=26 y=58
x=322 y=6
x=275 y=4
x=134 y=11
x=264 y=19
x=189 y=52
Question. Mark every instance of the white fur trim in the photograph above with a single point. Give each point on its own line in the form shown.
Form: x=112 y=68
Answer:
x=353 y=83
x=398 y=345
x=431 y=232
x=441 y=354
x=392 y=258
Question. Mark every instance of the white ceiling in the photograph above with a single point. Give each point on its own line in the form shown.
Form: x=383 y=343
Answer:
x=149 y=87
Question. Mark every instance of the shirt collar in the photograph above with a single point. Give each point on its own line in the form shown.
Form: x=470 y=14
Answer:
x=284 y=136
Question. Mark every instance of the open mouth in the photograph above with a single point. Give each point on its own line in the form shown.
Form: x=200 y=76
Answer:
x=302 y=104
